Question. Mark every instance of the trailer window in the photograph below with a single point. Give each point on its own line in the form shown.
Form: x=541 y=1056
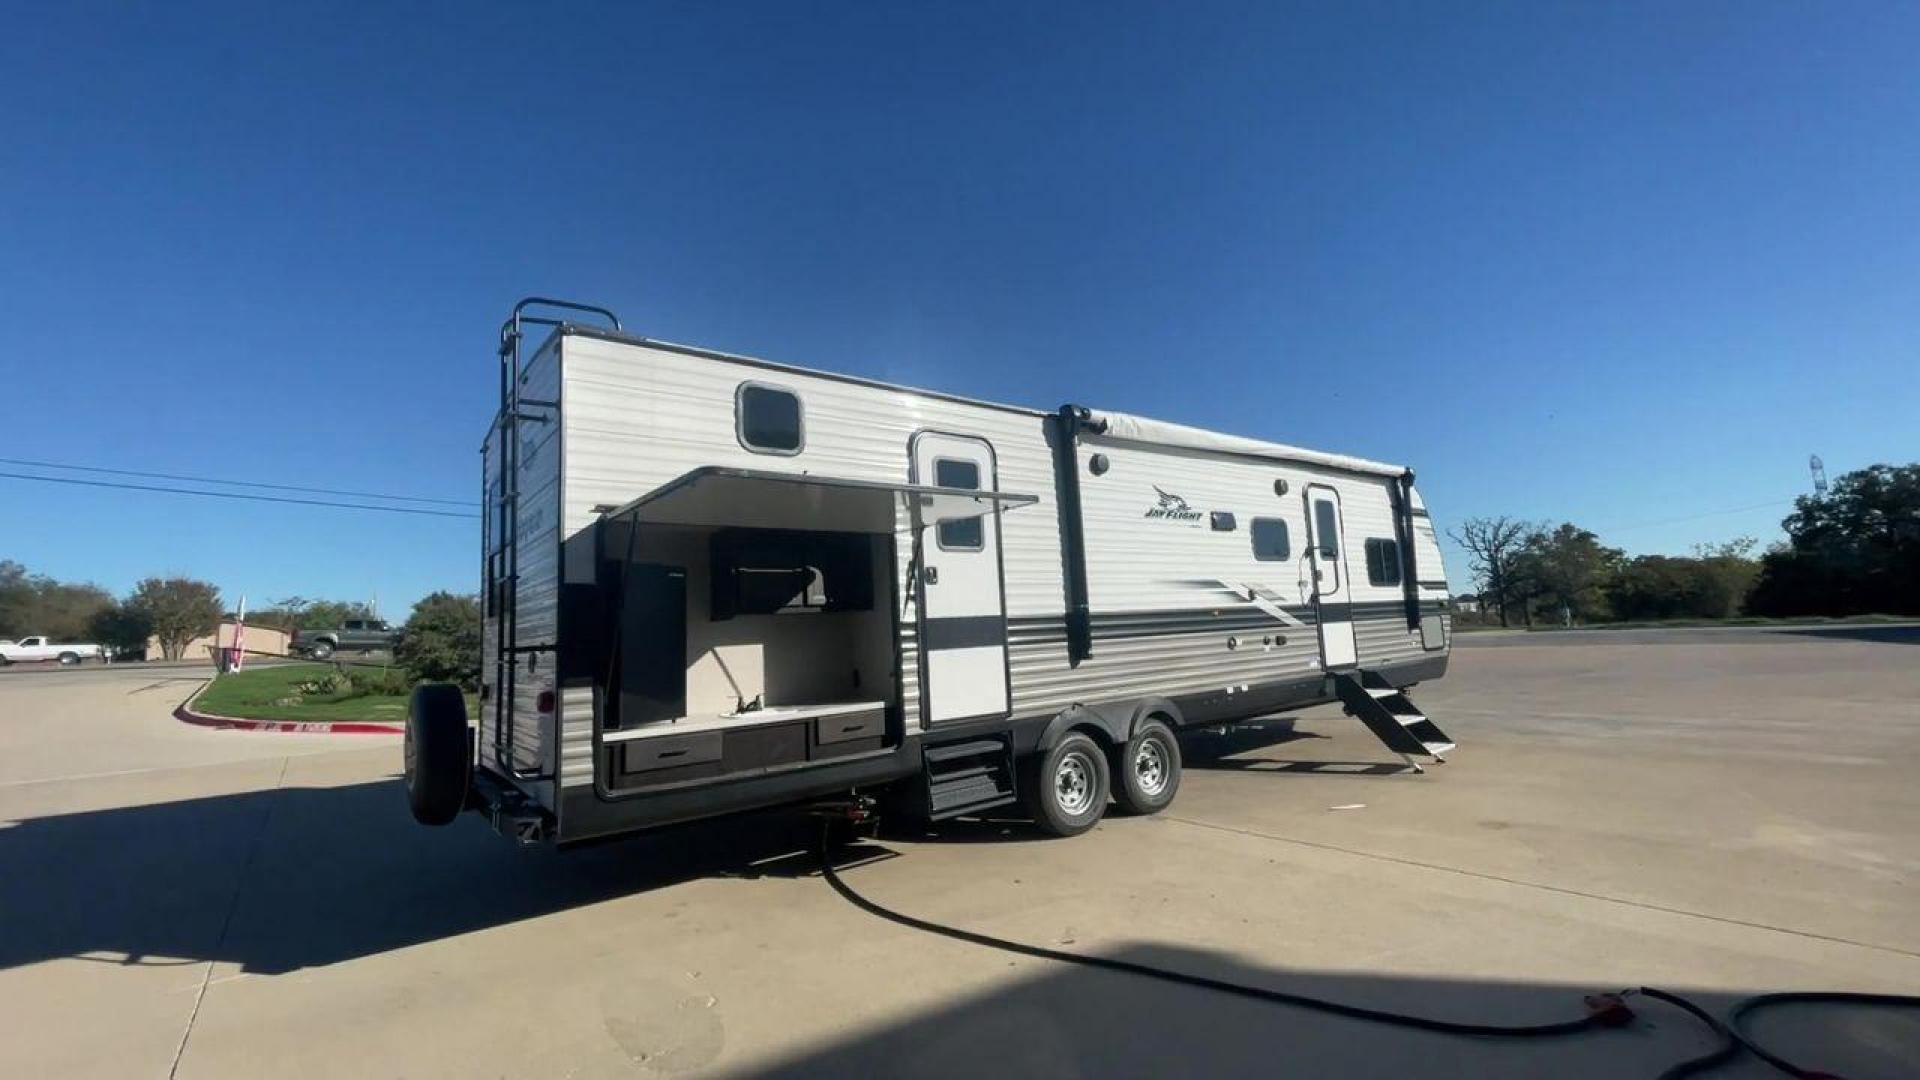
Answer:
x=1270 y=543
x=1383 y=562
x=1326 y=528
x=966 y=534
x=769 y=419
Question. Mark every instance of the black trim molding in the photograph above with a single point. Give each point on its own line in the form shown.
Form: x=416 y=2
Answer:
x=1073 y=538
x=963 y=632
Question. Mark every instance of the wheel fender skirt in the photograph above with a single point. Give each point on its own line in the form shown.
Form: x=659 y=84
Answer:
x=1117 y=719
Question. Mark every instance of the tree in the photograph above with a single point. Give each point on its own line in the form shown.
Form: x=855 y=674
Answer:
x=179 y=609
x=1494 y=546
x=1564 y=570
x=309 y=616
x=441 y=642
x=1855 y=551
x=1710 y=585
x=15 y=598
x=1726 y=574
x=120 y=627
x=38 y=604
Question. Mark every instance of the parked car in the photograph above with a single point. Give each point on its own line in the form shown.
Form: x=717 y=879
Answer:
x=43 y=648
x=354 y=635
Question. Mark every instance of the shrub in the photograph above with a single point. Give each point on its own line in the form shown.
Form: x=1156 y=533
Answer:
x=442 y=640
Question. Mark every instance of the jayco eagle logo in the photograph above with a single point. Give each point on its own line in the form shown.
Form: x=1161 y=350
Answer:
x=1172 y=507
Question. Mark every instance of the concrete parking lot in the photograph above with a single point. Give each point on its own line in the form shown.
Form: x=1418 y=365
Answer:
x=1716 y=812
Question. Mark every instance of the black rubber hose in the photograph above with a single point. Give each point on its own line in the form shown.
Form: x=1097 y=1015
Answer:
x=1605 y=1013
x=1729 y=1043
x=1604 y=1010
x=1736 y=1019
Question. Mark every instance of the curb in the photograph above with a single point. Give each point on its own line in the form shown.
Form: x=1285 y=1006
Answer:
x=186 y=714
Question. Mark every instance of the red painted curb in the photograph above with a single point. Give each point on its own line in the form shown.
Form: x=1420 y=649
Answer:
x=186 y=715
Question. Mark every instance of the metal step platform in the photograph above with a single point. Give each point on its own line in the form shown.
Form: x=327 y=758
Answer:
x=1392 y=716
x=966 y=777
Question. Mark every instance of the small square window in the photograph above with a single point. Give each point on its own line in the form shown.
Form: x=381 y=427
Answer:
x=1270 y=543
x=1222 y=520
x=769 y=419
x=966 y=534
x=1383 y=562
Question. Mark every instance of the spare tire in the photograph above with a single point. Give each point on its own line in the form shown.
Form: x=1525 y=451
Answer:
x=438 y=763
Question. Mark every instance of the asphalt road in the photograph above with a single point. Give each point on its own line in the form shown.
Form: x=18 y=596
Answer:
x=1711 y=816
x=1891 y=633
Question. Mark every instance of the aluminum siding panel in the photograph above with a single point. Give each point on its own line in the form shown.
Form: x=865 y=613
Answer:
x=1167 y=563
x=536 y=597
x=637 y=417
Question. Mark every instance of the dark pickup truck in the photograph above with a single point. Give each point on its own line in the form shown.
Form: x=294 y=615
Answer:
x=354 y=635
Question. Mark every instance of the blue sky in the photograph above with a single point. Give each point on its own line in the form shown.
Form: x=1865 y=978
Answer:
x=1621 y=264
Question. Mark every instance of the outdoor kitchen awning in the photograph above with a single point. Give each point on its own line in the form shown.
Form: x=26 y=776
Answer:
x=749 y=498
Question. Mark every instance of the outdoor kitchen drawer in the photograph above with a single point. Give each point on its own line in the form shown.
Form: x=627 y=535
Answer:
x=670 y=751
x=849 y=726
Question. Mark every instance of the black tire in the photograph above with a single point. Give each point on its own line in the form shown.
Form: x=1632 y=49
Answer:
x=1067 y=786
x=322 y=650
x=1149 y=770
x=68 y=659
x=438 y=766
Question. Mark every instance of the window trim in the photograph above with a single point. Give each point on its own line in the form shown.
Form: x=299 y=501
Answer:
x=1286 y=539
x=1382 y=543
x=939 y=527
x=740 y=418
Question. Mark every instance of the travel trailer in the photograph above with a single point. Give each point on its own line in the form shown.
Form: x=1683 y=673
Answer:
x=713 y=583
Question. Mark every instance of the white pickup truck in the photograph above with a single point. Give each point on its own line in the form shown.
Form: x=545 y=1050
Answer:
x=41 y=648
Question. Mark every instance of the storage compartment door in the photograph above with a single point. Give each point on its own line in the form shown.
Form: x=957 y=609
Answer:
x=963 y=618
x=653 y=644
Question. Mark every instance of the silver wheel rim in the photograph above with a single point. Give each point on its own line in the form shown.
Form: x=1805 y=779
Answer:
x=1073 y=783
x=1150 y=770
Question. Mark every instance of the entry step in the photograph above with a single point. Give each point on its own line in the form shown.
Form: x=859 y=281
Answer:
x=1391 y=716
x=967 y=777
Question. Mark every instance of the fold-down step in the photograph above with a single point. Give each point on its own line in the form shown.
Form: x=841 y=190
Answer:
x=966 y=777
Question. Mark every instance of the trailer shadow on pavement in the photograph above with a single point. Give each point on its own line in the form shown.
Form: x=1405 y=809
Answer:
x=282 y=879
x=1224 y=750
x=274 y=881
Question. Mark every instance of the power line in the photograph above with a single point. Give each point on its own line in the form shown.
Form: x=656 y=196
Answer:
x=233 y=495
x=1696 y=517
x=232 y=483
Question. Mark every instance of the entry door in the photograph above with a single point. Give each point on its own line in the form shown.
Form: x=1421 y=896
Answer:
x=963 y=616
x=1332 y=589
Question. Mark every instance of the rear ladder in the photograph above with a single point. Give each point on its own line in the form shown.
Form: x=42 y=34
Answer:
x=1392 y=716
x=503 y=564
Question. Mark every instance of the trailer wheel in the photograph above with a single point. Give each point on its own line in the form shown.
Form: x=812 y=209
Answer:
x=1068 y=791
x=435 y=752
x=1149 y=768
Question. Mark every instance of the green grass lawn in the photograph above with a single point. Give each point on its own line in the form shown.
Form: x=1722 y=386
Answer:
x=271 y=693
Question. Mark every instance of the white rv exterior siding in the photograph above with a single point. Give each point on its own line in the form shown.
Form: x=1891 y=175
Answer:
x=537 y=595
x=490 y=463
x=636 y=417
